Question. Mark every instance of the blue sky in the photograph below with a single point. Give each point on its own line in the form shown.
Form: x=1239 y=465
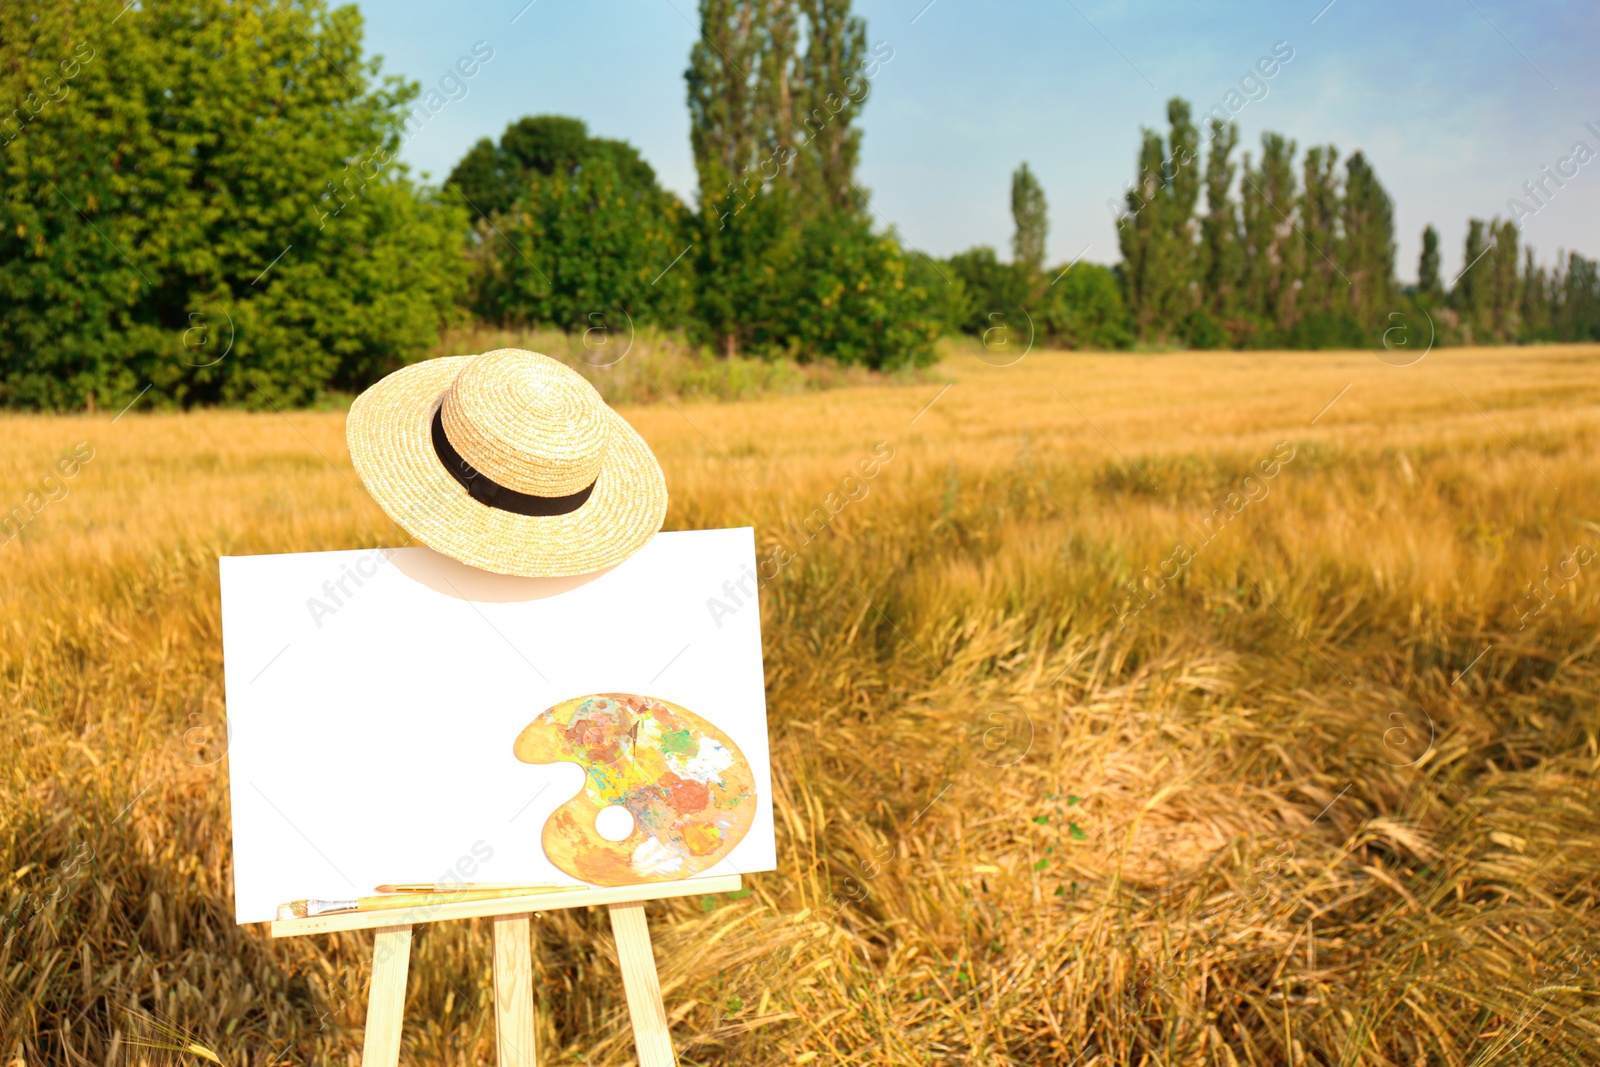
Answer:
x=1456 y=103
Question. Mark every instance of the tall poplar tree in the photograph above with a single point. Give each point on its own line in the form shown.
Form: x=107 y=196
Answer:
x=1369 y=246
x=1536 y=302
x=1176 y=239
x=786 y=258
x=1428 y=263
x=1469 y=297
x=1030 y=216
x=1158 y=235
x=1502 y=296
x=1271 y=247
x=731 y=120
x=1220 y=259
x=1488 y=293
x=1323 y=286
x=738 y=81
x=831 y=87
x=1136 y=234
x=1577 y=316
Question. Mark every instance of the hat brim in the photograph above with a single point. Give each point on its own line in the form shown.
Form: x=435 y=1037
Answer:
x=389 y=430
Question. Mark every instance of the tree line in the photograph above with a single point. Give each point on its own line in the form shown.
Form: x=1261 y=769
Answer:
x=1265 y=251
x=203 y=199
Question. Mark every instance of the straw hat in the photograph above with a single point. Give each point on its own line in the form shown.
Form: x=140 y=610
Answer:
x=509 y=462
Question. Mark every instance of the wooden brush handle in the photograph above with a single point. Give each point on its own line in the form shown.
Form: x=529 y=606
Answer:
x=423 y=900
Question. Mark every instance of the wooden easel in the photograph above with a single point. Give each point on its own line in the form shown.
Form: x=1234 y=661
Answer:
x=513 y=963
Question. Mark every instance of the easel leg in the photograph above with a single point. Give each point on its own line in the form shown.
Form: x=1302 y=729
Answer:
x=386 y=996
x=650 y=1032
x=513 y=990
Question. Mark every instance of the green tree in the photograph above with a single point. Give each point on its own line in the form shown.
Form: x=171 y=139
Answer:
x=1502 y=296
x=1487 y=294
x=739 y=90
x=739 y=98
x=206 y=200
x=832 y=86
x=584 y=247
x=775 y=151
x=1470 y=297
x=1176 y=240
x=1157 y=234
x=1368 y=247
x=1323 y=292
x=492 y=176
x=1576 y=313
x=1031 y=218
x=1537 y=302
x=572 y=229
x=1221 y=261
x=1428 y=264
x=1272 y=260
x=1137 y=235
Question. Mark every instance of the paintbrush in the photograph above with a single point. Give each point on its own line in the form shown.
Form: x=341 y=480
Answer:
x=305 y=909
x=452 y=887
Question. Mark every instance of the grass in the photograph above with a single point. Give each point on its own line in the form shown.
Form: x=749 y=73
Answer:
x=645 y=365
x=1326 y=797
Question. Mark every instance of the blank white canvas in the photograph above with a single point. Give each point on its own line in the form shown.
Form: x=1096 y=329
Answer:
x=373 y=698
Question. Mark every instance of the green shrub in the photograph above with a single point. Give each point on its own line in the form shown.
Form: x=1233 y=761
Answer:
x=1200 y=329
x=1323 y=330
x=1082 y=308
x=1068 y=307
x=993 y=288
x=949 y=301
x=857 y=300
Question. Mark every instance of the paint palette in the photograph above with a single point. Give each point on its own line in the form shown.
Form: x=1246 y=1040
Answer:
x=686 y=786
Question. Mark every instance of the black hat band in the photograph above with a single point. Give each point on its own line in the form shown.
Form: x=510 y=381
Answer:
x=492 y=494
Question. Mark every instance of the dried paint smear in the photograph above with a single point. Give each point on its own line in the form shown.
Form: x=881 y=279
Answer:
x=686 y=784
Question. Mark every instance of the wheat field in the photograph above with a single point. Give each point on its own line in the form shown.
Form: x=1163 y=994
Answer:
x=1141 y=709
